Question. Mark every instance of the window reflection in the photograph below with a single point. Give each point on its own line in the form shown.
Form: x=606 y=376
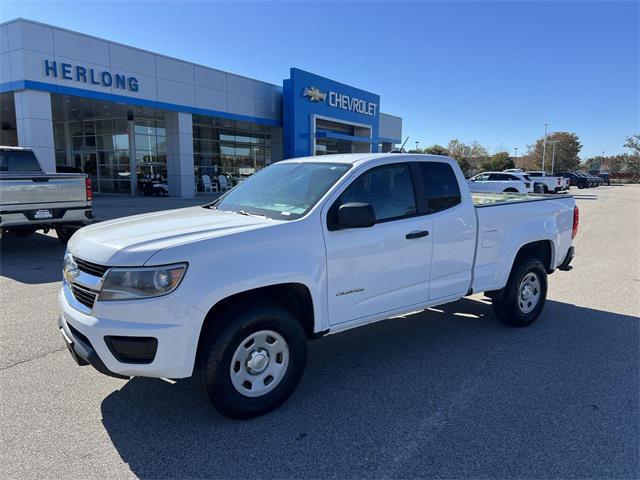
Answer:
x=227 y=148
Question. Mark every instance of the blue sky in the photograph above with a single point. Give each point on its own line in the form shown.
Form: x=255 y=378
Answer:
x=493 y=72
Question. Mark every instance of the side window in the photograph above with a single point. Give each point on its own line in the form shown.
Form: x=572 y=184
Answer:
x=388 y=189
x=440 y=184
x=482 y=178
x=496 y=177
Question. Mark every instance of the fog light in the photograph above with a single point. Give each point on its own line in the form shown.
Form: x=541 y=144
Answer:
x=132 y=349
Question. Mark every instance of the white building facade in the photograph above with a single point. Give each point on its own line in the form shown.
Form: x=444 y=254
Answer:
x=121 y=114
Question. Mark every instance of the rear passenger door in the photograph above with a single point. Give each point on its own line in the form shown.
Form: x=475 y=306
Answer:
x=453 y=229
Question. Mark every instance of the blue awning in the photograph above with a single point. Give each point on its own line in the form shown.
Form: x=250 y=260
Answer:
x=342 y=136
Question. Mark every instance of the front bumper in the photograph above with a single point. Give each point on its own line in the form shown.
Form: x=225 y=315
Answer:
x=174 y=323
x=82 y=351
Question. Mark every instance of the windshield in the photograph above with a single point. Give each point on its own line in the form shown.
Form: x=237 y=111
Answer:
x=283 y=191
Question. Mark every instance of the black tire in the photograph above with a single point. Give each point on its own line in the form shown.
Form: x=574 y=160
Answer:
x=509 y=306
x=65 y=233
x=510 y=190
x=581 y=185
x=218 y=346
x=545 y=189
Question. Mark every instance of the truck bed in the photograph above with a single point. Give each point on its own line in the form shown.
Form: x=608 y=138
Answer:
x=505 y=198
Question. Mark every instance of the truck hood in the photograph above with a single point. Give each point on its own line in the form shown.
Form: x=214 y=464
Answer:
x=132 y=241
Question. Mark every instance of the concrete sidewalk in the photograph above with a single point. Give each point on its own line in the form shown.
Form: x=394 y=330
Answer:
x=108 y=207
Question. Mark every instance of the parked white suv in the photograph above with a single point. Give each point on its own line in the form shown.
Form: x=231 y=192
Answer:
x=500 y=182
x=232 y=291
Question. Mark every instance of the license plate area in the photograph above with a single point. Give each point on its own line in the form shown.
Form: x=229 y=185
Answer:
x=42 y=214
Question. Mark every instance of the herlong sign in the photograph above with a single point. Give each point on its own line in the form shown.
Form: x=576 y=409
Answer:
x=78 y=73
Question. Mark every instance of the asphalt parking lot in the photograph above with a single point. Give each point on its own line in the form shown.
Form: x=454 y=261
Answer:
x=446 y=393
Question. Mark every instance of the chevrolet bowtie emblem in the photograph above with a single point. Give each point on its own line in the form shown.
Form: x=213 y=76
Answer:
x=314 y=94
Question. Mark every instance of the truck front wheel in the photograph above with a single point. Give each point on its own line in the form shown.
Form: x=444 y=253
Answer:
x=522 y=299
x=253 y=362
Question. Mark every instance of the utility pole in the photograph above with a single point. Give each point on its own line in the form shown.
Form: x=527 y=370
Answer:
x=544 y=144
x=417 y=142
x=602 y=162
x=515 y=159
x=553 y=155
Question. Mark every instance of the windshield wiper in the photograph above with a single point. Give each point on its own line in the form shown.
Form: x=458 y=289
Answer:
x=248 y=214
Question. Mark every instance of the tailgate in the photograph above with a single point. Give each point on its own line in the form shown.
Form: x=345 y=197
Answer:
x=42 y=189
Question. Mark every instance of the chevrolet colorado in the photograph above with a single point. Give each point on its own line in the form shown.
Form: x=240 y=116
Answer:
x=231 y=291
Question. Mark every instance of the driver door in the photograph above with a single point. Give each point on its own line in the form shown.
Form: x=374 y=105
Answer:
x=386 y=267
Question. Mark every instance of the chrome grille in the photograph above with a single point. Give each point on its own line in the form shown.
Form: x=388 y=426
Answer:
x=91 y=268
x=84 y=295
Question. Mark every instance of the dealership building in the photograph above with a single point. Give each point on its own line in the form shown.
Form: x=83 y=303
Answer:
x=122 y=114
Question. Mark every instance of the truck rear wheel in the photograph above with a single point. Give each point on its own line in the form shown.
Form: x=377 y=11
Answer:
x=522 y=299
x=65 y=233
x=253 y=362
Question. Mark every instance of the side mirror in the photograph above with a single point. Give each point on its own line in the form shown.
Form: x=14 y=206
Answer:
x=356 y=215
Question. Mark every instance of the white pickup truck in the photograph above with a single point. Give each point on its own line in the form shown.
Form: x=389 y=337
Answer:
x=500 y=182
x=231 y=292
x=550 y=183
x=31 y=199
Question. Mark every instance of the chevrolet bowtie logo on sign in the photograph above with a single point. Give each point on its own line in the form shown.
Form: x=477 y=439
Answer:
x=314 y=94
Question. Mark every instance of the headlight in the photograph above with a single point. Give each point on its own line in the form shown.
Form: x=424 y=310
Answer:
x=134 y=283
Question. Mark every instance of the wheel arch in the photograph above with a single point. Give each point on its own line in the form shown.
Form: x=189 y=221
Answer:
x=294 y=296
x=541 y=249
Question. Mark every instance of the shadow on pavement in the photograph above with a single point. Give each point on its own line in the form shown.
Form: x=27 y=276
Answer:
x=35 y=259
x=448 y=392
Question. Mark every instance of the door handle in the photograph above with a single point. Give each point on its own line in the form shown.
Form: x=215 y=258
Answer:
x=418 y=234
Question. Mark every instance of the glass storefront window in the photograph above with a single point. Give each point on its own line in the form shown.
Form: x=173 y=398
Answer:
x=75 y=128
x=121 y=142
x=230 y=148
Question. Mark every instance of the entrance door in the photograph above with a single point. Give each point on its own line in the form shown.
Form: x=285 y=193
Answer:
x=385 y=267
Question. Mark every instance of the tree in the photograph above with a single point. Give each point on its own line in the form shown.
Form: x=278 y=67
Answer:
x=567 y=151
x=633 y=143
x=436 y=150
x=633 y=160
x=468 y=156
x=592 y=163
x=615 y=164
x=498 y=162
x=633 y=167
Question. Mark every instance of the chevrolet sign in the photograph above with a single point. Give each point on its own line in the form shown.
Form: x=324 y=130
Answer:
x=342 y=101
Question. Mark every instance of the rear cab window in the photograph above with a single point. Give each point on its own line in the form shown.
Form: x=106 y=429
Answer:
x=19 y=161
x=440 y=185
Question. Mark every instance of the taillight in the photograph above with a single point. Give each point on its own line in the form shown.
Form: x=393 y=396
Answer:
x=89 y=192
x=576 y=221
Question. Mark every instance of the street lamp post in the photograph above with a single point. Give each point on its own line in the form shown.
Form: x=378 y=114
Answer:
x=544 y=144
x=515 y=158
x=553 y=154
x=417 y=142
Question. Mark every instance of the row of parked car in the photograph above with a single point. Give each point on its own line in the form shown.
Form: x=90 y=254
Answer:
x=536 y=181
x=583 y=180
